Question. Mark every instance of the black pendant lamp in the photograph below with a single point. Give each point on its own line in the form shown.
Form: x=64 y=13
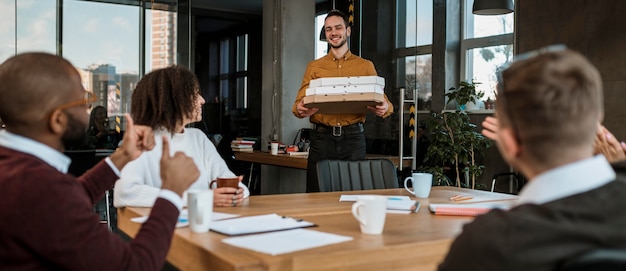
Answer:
x=492 y=7
x=323 y=34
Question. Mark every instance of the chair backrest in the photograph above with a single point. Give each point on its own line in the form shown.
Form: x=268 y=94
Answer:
x=368 y=174
x=599 y=259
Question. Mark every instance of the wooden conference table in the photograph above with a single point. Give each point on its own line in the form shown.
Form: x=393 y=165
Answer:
x=416 y=241
x=299 y=162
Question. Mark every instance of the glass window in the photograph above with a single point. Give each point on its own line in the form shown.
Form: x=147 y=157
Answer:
x=487 y=45
x=416 y=18
x=242 y=53
x=102 y=41
x=477 y=26
x=321 y=47
x=414 y=50
x=160 y=42
x=34 y=29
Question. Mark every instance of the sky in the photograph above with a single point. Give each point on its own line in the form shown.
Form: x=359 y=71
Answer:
x=93 y=33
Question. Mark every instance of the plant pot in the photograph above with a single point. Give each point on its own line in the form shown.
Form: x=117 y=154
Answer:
x=472 y=106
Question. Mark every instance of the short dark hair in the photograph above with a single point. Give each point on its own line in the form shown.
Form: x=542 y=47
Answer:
x=336 y=12
x=163 y=97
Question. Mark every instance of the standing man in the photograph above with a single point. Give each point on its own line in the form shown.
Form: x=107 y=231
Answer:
x=549 y=106
x=336 y=136
x=47 y=220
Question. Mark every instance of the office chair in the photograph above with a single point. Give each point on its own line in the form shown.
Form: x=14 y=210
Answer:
x=519 y=182
x=368 y=174
x=595 y=260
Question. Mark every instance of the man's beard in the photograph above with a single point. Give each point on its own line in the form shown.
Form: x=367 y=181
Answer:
x=339 y=45
x=75 y=134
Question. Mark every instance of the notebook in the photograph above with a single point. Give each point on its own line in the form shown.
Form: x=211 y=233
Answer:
x=471 y=209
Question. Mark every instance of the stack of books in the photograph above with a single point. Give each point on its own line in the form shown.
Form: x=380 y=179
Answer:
x=243 y=144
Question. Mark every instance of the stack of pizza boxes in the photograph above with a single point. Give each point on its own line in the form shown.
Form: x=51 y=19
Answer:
x=345 y=95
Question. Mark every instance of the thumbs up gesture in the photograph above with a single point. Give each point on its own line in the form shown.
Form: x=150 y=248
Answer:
x=178 y=172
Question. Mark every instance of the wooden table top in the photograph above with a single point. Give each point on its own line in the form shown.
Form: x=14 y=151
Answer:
x=299 y=162
x=417 y=241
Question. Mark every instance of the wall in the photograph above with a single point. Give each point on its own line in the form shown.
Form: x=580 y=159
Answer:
x=590 y=27
x=288 y=46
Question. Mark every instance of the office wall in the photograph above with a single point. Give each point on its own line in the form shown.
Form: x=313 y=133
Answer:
x=288 y=46
x=591 y=27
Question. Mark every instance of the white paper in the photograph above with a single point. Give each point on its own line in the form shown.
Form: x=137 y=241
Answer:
x=275 y=243
x=183 y=218
x=258 y=223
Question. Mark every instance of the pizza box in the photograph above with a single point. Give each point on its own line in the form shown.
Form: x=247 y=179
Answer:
x=345 y=89
x=343 y=103
x=351 y=80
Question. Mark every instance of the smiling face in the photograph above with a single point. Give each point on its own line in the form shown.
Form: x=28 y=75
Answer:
x=337 y=32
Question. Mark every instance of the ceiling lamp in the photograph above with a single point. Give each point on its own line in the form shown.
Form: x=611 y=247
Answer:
x=492 y=7
x=323 y=34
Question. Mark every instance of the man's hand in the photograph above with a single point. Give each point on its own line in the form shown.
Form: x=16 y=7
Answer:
x=380 y=109
x=178 y=172
x=137 y=139
x=490 y=128
x=304 y=111
x=605 y=143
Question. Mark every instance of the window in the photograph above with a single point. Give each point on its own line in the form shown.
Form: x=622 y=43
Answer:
x=414 y=50
x=487 y=44
x=321 y=47
x=33 y=29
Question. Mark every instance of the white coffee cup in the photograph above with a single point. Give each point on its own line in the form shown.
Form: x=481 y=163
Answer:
x=422 y=182
x=370 y=211
x=274 y=148
x=200 y=208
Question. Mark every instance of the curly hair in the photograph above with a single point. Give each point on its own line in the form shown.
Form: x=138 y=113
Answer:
x=164 y=97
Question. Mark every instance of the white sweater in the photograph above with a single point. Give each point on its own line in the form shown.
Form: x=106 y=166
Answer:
x=140 y=181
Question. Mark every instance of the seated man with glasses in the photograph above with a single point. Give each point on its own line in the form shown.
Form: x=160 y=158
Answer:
x=46 y=217
x=548 y=108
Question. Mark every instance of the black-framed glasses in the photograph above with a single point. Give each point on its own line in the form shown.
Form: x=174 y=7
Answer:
x=528 y=55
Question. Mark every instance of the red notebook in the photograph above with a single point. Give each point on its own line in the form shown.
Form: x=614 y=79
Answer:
x=469 y=209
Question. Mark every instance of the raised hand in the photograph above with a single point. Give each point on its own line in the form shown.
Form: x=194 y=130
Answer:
x=178 y=172
x=137 y=139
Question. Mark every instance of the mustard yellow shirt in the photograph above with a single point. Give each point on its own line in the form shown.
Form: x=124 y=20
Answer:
x=330 y=66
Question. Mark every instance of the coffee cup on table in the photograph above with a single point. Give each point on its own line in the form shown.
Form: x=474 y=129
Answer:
x=200 y=208
x=225 y=182
x=371 y=212
x=422 y=182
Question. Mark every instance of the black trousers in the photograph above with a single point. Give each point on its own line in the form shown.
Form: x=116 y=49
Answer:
x=336 y=143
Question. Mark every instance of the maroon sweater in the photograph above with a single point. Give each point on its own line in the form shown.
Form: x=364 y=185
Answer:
x=47 y=221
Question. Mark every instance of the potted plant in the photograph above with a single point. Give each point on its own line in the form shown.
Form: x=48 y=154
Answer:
x=464 y=94
x=456 y=145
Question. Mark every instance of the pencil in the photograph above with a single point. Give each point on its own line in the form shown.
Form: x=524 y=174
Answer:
x=463 y=198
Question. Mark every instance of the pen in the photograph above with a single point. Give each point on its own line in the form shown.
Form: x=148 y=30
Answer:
x=458 y=198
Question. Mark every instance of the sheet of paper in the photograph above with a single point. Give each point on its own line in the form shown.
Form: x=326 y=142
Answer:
x=275 y=243
x=183 y=218
x=257 y=224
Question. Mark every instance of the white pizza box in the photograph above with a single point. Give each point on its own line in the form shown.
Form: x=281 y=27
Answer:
x=351 y=80
x=345 y=89
x=343 y=103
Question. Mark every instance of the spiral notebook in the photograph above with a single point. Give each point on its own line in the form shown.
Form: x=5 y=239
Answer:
x=258 y=224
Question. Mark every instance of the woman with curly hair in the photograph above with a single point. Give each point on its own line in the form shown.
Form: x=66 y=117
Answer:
x=167 y=100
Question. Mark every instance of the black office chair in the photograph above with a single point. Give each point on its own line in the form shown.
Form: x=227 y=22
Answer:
x=603 y=259
x=341 y=175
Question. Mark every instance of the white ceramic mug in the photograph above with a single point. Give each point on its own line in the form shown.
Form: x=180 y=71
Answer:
x=422 y=182
x=370 y=211
x=200 y=208
x=274 y=148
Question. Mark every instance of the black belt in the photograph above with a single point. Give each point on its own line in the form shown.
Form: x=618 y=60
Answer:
x=340 y=130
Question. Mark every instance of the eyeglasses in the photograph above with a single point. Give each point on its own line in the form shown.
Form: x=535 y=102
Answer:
x=87 y=101
x=506 y=66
